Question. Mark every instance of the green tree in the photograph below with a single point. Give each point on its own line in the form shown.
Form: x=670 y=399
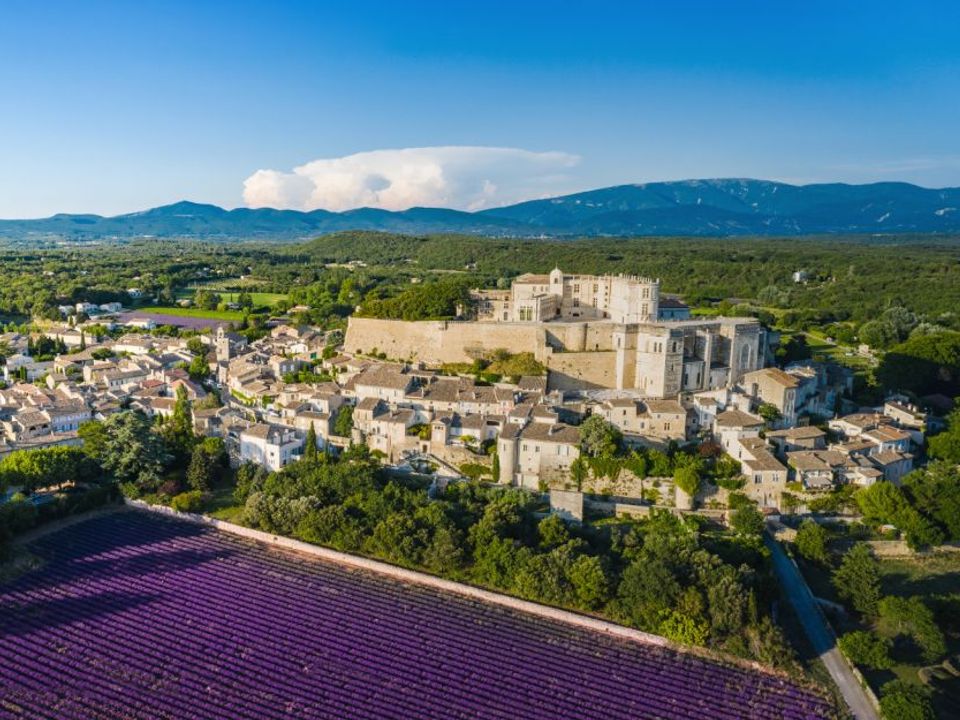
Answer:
x=178 y=429
x=250 y=479
x=900 y=700
x=198 y=369
x=883 y=502
x=579 y=469
x=44 y=467
x=196 y=346
x=552 y=532
x=591 y=586
x=935 y=492
x=747 y=520
x=598 y=438
x=343 y=425
x=647 y=592
x=206 y=300
x=207 y=462
x=811 y=541
x=94 y=438
x=910 y=616
x=769 y=412
x=445 y=552
x=132 y=451
x=867 y=649
x=637 y=464
x=946 y=445
x=310 y=445
x=858 y=579
x=879 y=334
x=923 y=364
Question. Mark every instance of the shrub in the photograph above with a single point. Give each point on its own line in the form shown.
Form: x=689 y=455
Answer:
x=130 y=490
x=190 y=501
x=867 y=649
x=902 y=701
x=687 y=479
x=811 y=541
x=474 y=471
x=747 y=520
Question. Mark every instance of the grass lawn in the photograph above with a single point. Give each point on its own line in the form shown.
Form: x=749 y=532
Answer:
x=229 y=315
x=926 y=575
x=841 y=354
x=222 y=506
x=231 y=283
x=260 y=299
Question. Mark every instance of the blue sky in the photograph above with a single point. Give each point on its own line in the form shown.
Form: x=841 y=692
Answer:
x=117 y=106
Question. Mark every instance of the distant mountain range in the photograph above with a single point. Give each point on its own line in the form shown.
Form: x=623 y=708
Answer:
x=690 y=207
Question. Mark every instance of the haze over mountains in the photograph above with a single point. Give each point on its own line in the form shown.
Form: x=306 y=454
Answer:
x=693 y=207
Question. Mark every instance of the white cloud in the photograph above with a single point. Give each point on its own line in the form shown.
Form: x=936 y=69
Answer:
x=462 y=177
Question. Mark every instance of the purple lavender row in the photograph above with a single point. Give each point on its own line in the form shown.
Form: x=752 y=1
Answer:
x=242 y=573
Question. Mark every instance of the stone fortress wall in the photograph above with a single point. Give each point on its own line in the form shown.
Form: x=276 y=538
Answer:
x=448 y=341
x=591 y=332
x=582 y=355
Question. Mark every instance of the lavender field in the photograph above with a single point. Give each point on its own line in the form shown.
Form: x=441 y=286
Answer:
x=135 y=616
x=185 y=320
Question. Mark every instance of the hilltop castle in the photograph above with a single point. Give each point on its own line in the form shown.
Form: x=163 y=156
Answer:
x=591 y=331
x=542 y=298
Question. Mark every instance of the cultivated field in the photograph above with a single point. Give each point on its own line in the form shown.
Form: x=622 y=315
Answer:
x=187 y=318
x=135 y=616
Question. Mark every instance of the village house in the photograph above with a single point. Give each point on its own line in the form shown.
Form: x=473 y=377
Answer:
x=537 y=454
x=647 y=422
x=384 y=428
x=272 y=446
x=766 y=477
x=797 y=438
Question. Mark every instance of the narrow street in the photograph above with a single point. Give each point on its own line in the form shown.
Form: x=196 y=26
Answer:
x=820 y=634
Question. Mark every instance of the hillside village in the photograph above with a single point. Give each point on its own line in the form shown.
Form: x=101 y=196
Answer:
x=658 y=377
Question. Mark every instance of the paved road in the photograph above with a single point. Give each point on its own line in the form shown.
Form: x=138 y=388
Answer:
x=820 y=635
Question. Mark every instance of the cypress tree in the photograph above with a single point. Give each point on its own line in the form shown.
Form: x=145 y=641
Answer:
x=310 y=448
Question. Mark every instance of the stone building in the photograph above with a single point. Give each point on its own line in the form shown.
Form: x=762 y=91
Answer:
x=561 y=296
x=536 y=453
x=592 y=332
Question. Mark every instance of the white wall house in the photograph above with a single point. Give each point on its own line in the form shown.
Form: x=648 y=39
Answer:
x=272 y=446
